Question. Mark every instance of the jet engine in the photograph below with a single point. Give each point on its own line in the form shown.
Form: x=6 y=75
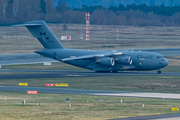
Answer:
x=124 y=60
x=106 y=61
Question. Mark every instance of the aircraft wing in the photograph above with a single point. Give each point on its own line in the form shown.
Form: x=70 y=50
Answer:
x=29 y=58
x=25 y=58
x=93 y=56
x=163 y=51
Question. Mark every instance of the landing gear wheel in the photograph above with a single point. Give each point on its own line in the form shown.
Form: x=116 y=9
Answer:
x=158 y=72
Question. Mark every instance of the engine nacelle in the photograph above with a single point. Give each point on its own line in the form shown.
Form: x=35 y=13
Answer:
x=106 y=61
x=125 y=60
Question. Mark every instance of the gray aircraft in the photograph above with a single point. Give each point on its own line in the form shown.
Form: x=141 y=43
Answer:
x=98 y=61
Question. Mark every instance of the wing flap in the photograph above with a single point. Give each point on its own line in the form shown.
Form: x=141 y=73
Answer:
x=93 y=56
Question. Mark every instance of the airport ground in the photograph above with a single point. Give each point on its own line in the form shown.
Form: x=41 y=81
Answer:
x=141 y=83
x=54 y=106
x=19 y=40
x=164 y=84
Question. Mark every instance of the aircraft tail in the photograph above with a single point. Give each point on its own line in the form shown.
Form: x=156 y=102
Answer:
x=40 y=30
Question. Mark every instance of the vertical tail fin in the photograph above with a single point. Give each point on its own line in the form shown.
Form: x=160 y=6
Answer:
x=40 y=30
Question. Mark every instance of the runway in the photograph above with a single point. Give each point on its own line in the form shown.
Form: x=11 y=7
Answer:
x=23 y=58
x=92 y=92
x=104 y=93
x=35 y=58
x=67 y=73
x=154 y=117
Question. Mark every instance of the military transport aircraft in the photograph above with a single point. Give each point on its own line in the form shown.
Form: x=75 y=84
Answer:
x=98 y=61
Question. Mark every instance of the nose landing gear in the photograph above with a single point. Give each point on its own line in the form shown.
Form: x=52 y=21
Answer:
x=159 y=72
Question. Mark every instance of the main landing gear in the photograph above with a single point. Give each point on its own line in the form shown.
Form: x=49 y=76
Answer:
x=159 y=72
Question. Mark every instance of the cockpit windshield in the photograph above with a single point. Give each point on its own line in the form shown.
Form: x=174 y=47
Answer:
x=160 y=56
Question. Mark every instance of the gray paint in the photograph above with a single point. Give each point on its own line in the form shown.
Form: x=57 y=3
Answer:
x=88 y=59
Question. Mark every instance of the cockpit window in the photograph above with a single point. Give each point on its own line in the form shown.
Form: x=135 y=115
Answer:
x=158 y=57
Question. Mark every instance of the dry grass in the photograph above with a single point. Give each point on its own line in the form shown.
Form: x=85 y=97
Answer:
x=116 y=83
x=53 y=106
x=40 y=66
x=19 y=40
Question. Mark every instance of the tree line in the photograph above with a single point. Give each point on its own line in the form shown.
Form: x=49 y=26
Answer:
x=17 y=11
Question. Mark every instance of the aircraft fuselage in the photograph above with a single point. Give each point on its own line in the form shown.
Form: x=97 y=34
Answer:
x=141 y=61
x=99 y=61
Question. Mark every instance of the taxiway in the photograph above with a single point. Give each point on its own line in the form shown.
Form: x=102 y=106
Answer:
x=67 y=73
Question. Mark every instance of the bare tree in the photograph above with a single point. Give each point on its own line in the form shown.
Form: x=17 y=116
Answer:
x=61 y=6
x=28 y=5
x=50 y=16
x=64 y=26
x=43 y=10
x=15 y=7
x=97 y=17
x=32 y=12
x=5 y=4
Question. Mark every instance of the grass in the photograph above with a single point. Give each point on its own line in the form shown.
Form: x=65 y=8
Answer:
x=40 y=66
x=164 y=84
x=53 y=106
x=19 y=39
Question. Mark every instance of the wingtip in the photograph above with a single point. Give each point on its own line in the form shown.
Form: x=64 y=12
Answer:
x=30 y=23
x=27 y=25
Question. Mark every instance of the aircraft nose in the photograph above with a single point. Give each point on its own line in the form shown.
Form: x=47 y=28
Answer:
x=166 y=62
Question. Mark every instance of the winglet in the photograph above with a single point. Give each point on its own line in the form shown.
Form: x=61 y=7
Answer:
x=27 y=25
x=31 y=23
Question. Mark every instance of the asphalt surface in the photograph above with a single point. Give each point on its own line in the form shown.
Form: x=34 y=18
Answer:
x=104 y=93
x=66 y=73
x=154 y=117
x=23 y=58
x=92 y=92
x=35 y=58
x=55 y=90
